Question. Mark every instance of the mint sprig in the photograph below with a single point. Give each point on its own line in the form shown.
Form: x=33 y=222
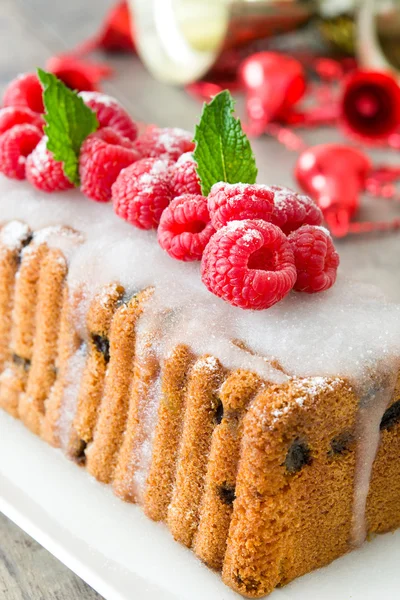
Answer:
x=223 y=151
x=68 y=123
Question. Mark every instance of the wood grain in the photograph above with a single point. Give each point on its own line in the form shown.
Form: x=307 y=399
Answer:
x=29 y=572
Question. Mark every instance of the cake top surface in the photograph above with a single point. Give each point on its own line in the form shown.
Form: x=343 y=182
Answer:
x=340 y=332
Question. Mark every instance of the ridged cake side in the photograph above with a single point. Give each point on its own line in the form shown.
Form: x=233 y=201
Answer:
x=257 y=478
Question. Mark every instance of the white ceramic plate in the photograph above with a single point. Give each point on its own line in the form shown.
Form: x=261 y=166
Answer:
x=125 y=556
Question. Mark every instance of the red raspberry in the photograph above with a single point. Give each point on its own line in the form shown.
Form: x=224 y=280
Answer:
x=110 y=113
x=15 y=145
x=185 y=228
x=249 y=264
x=103 y=156
x=239 y=201
x=170 y=142
x=142 y=192
x=184 y=176
x=293 y=210
x=25 y=90
x=45 y=173
x=16 y=115
x=315 y=257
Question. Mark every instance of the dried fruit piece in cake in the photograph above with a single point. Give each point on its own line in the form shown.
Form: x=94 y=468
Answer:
x=169 y=142
x=184 y=179
x=111 y=428
x=238 y=201
x=13 y=237
x=16 y=115
x=91 y=386
x=25 y=90
x=315 y=257
x=185 y=228
x=249 y=264
x=45 y=173
x=15 y=375
x=291 y=210
x=110 y=113
x=103 y=156
x=383 y=507
x=237 y=391
x=15 y=146
x=202 y=404
x=142 y=192
x=278 y=530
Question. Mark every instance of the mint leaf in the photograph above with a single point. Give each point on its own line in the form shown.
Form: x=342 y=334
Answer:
x=69 y=122
x=222 y=152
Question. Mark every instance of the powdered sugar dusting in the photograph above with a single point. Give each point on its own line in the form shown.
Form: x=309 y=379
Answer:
x=98 y=97
x=65 y=239
x=308 y=387
x=169 y=138
x=73 y=377
x=13 y=234
x=184 y=158
x=40 y=157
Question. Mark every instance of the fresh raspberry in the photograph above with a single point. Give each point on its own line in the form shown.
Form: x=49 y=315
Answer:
x=170 y=142
x=15 y=145
x=239 y=201
x=184 y=176
x=45 y=173
x=25 y=90
x=315 y=257
x=142 y=192
x=293 y=210
x=16 y=115
x=249 y=264
x=185 y=228
x=110 y=113
x=103 y=156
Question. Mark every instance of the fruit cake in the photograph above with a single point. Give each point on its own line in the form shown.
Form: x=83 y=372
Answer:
x=212 y=373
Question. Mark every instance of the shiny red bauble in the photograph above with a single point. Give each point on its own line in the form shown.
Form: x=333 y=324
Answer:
x=370 y=106
x=273 y=84
x=334 y=175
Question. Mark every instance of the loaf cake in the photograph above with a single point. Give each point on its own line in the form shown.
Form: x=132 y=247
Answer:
x=266 y=441
x=268 y=462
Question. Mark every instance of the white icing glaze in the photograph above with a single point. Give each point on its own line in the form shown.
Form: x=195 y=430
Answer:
x=374 y=400
x=337 y=333
x=70 y=394
x=147 y=355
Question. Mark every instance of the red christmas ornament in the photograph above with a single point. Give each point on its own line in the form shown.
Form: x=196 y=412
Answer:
x=370 y=106
x=334 y=175
x=273 y=83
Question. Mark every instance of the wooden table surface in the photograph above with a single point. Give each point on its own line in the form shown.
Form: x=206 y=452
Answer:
x=30 y=32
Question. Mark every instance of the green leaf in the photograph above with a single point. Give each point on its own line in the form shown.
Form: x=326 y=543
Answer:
x=69 y=122
x=223 y=151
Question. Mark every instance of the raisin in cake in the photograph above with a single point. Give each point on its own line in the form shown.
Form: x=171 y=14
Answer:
x=267 y=442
